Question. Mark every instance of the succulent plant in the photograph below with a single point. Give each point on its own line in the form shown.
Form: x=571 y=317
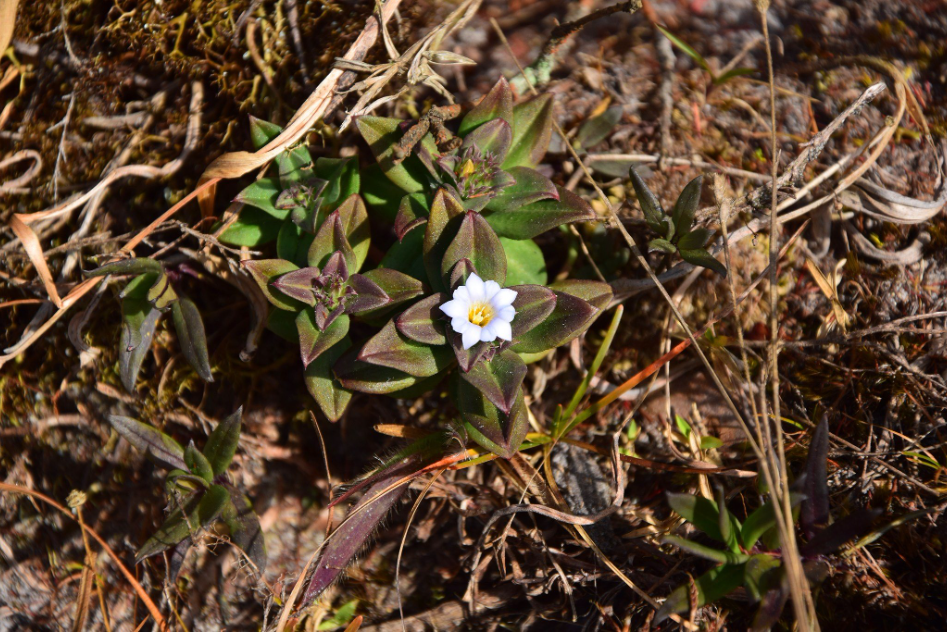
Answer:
x=292 y=202
x=145 y=299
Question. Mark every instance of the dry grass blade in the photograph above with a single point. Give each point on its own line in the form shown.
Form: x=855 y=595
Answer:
x=142 y=594
x=35 y=252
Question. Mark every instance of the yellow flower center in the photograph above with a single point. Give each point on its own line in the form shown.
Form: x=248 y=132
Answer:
x=480 y=314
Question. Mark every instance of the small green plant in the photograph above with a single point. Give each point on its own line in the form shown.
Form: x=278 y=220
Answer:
x=676 y=232
x=200 y=492
x=717 y=80
x=145 y=299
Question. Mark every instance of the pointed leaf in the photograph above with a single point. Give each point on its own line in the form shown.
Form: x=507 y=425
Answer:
x=139 y=321
x=703 y=259
x=197 y=463
x=141 y=265
x=761 y=520
x=490 y=427
x=757 y=576
x=686 y=206
x=597 y=128
x=364 y=377
x=596 y=293
x=262 y=195
x=532 y=132
x=244 y=526
x=654 y=213
x=312 y=341
x=148 y=438
x=174 y=530
x=729 y=526
x=662 y=245
x=477 y=242
x=222 y=442
x=533 y=304
x=331 y=238
x=447 y=214
x=699 y=511
x=468 y=358
x=262 y=132
x=499 y=379
x=534 y=219
x=369 y=295
x=265 y=272
x=530 y=186
x=570 y=318
x=493 y=137
x=298 y=285
x=524 y=262
x=497 y=104
x=835 y=535
x=343 y=178
x=382 y=135
x=190 y=329
x=295 y=167
x=328 y=392
x=354 y=220
x=399 y=288
x=391 y=349
x=814 y=513
x=694 y=240
x=411 y=213
x=711 y=586
x=706 y=552
x=424 y=321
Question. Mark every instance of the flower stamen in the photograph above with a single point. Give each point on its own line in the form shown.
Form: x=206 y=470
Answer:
x=480 y=314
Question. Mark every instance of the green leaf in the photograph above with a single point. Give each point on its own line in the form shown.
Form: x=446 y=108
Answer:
x=570 y=318
x=694 y=240
x=264 y=272
x=412 y=212
x=312 y=342
x=597 y=128
x=190 y=329
x=536 y=218
x=447 y=214
x=364 y=377
x=497 y=104
x=729 y=525
x=283 y=324
x=139 y=321
x=477 y=242
x=341 y=617
x=391 y=349
x=172 y=531
x=710 y=443
x=733 y=74
x=399 y=287
x=706 y=552
x=757 y=577
x=332 y=397
x=424 y=321
x=662 y=245
x=699 y=511
x=687 y=50
x=490 y=427
x=382 y=134
x=525 y=263
x=493 y=137
x=711 y=586
x=686 y=206
x=331 y=238
x=139 y=266
x=403 y=257
x=293 y=243
x=295 y=167
x=162 y=293
x=343 y=178
x=380 y=193
x=532 y=132
x=596 y=293
x=703 y=259
x=262 y=132
x=682 y=426
x=654 y=213
x=252 y=228
x=354 y=220
x=262 y=194
x=530 y=186
x=499 y=379
x=222 y=442
x=197 y=463
x=148 y=438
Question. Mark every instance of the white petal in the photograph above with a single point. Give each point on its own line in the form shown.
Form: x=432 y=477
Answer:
x=505 y=296
x=460 y=324
x=490 y=289
x=506 y=313
x=488 y=334
x=462 y=294
x=455 y=308
x=475 y=286
x=471 y=336
x=501 y=329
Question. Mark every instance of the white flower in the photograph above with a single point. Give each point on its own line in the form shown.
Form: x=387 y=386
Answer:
x=481 y=311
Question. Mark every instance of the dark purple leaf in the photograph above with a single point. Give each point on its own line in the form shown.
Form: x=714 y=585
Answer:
x=313 y=342
x=493 y=137
x=530 y=186
x=191 y=336
x=298 y=284
x=814 y=512
x=570 y=318
x=368 y=295
x=447 y=214
x=391 y=349
x=264 y=272
x=398 y=286
x=499 y=379
x=533 y=304
x=424 y=321
x=477 y=242
x=498 y=103
x=838 y=533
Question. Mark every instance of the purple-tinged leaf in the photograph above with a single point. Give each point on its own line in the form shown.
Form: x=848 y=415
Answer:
x=596 y=129
x=245 y=529
x=391 y=349
x=262 y=132
x=190 y=329
x=532 y=132
x=476 y=241
x=369 y=295
x=685 y=207
x=814 y=513
x=461 y=272
x=325 y=318
x=298 y=284
x=264 y=272
x=468 y=358
x=424 y=321
x=364 y=377
x=148 y=438
x=332 y=397
x=499 y=379
x=139 y=320
x=295 y=167
x=264 y=195
x=490 y=427
x=497 y=104
x=354 y=219
x=493 y=137
x=772 y=603
x=570 y=318
x=530 y=186
x=313 y=342
x=398 y=286
x=222 y=443
x=596 y=293
x=534 y=219
x=330 y=238
x=831 y=538
x=533 y=304
x=711 y=586
x=447 y=214
x=336 y=266
x=141 y=265
x=383 y=135
x=411 y=214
